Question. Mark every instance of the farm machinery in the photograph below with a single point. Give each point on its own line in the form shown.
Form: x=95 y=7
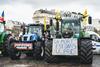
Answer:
x=64 y=38
x=31 y=42
x=67 y=39
x=4 y=38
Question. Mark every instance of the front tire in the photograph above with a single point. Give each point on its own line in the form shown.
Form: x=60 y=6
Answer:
x=48 y=57
x=13 y=54
x=37 y=50
x=86 y=53
x=5 y=46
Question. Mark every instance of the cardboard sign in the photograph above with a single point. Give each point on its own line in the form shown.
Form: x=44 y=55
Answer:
x=66 y=46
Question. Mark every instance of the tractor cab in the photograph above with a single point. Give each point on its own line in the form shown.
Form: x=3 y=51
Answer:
x=65 y=28
x=33 y=32
x=70 y=28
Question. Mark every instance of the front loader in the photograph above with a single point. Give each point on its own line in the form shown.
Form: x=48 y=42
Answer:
x=67 y=40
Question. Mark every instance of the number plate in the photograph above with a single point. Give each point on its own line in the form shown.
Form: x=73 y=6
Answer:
x=66 y=46
x=23 y=46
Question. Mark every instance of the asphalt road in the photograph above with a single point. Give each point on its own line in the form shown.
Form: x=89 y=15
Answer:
x=29 y=62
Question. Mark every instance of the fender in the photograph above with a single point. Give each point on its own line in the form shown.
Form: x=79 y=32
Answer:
x=3 y=34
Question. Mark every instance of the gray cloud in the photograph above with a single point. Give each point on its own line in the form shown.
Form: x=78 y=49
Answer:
x=3 y=2
x=46 y=3
x=37 y=2
x=93 y=5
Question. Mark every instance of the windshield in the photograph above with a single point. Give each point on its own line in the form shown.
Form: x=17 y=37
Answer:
x=1 y=27
x=70 y=25
x=35 y=29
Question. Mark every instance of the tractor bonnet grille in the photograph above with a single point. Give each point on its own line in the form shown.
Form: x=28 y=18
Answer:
x=25 y=38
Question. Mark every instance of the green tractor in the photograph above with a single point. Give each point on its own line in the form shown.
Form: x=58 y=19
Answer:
x=4 y=37
x=67 y=40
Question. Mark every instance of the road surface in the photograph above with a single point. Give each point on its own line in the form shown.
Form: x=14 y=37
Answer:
x=29 y=62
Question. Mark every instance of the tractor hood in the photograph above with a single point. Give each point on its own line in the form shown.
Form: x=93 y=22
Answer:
x=30 y=37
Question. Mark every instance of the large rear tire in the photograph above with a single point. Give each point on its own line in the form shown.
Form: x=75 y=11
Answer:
x=48 y=57
x=86 y=53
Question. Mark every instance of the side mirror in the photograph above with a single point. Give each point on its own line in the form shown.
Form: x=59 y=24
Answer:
x=51 y=22
x=24 y=31
x=90 y=20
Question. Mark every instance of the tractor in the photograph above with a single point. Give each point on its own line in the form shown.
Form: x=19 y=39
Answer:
x=4 y=38
x=31 y=42
x=67 y=39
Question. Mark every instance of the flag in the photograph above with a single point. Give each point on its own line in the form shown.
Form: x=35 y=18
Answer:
x=1 y=19
x=44 y=23
x=2 y=15
x=85 y=14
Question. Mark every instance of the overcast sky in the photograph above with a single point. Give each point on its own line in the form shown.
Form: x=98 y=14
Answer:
x=22 y=10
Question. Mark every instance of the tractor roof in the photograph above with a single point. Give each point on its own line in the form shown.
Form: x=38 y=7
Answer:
x=35 y=24
x=70 y=18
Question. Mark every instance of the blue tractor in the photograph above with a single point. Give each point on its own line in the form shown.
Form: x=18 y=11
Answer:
x=31 y=42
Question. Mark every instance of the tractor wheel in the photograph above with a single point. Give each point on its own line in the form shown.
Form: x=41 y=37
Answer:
x=5 y=48
x=85 y=52
x=48 y=57
x=4 y=53
x=13 y=54
x=37 y=50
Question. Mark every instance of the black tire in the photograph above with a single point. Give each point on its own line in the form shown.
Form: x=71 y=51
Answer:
x=13 y=54
x=37 y=50
x=86 y=53
x=48 y=57
x=5 y=46
x=4 y=53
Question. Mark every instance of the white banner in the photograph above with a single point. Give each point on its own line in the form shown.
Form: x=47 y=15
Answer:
x=66 y=46
x=23 y=46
